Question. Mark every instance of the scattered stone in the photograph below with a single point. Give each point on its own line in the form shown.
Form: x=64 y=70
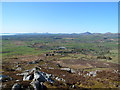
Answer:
x=92 y=73
x=60 y=79
x=34 y=62
x=68 y=70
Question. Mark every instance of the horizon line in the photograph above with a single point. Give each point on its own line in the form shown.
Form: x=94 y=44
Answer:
x=55 y=32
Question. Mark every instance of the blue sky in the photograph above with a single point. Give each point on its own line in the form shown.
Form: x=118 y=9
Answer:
x=60 y=17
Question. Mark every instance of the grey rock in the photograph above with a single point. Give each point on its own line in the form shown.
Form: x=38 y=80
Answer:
x=72 y=71
x=38 y=76
x=42 y=76
x=28 y=77
x=17 y=80
x=68 y=70
x=18 y=66
x=92 y=73
x=24 y=73
x=19 y=69
x=16 y=86
x=60 y=79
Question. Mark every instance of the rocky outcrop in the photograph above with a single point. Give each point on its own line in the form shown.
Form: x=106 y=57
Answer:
x=42 y=77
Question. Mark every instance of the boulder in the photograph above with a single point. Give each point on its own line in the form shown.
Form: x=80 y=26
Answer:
x=42 y=76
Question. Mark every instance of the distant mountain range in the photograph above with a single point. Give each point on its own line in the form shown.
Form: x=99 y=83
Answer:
x=85 y=33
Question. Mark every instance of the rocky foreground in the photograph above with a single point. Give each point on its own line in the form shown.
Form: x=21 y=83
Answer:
x=41 y=74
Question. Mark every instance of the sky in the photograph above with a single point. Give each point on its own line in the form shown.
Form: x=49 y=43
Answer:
x=59 y=17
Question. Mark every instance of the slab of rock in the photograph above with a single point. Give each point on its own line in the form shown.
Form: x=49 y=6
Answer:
x=68 y=70
x=24 y=73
